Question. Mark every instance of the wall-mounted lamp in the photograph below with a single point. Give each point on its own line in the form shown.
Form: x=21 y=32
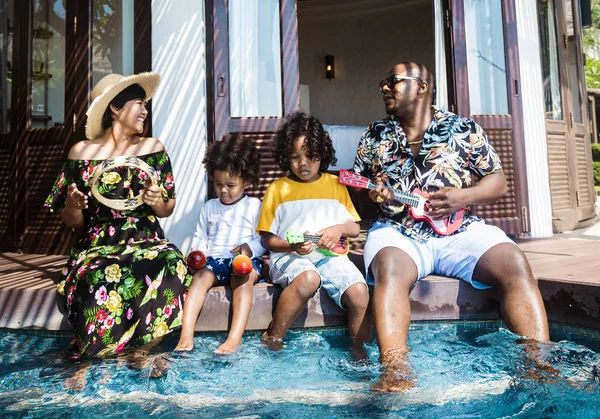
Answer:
x=329 y=67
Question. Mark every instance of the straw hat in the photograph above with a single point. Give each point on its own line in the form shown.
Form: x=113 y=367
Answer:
x=107 y=89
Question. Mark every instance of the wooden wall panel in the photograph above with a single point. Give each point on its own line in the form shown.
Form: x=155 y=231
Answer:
x=269 y=170
x=45 y=232
x=507 y=207
x=583 y=168
x=4 y=192
x=559 y=172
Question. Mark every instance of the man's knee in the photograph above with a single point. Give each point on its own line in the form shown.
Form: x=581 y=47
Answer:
x=506 y=265
x=392 y=266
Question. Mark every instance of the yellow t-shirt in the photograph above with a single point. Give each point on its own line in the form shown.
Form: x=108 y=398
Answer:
x=299 y=207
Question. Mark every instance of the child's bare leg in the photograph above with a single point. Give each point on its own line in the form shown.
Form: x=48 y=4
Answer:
x=242 y=288
x=356 y=301
x=292 y=301
x=204 y=280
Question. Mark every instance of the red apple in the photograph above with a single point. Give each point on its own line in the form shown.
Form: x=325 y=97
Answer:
x=242 y=265
x=196 y=259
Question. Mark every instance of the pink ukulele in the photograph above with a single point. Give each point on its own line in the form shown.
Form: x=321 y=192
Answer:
x=416 y=200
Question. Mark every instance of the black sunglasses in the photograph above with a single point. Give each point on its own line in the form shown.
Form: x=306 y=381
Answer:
x=394 y=79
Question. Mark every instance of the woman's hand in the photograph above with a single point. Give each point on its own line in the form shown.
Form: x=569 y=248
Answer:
x=151 y=194
x=76 y=200
x=242 y=249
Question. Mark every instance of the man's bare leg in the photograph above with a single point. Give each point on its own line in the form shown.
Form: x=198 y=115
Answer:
x=505 y=267
x=394 y=273
x=242 y=289
x=204 y=280
x=291 y=302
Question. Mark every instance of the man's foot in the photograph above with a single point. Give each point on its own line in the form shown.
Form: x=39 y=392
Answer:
x=228 y=347
x=397 y=375
x=535 y=367
x=271 y=342
x=186 y=343
x=160 y=366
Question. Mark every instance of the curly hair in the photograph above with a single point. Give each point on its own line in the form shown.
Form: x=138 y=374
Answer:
x=236 y=155
x=316 y=140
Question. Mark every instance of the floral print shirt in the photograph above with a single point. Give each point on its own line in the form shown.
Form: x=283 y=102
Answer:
x=454 y=149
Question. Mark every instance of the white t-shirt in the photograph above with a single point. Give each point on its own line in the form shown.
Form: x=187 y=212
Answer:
x=221 y=228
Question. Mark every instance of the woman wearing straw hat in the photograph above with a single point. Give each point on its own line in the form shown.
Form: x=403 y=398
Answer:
x=124 y=283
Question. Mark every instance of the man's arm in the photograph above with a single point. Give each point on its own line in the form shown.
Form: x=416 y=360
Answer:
x=447 y=201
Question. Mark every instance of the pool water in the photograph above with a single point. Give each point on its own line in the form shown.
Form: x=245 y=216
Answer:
x=468 y=374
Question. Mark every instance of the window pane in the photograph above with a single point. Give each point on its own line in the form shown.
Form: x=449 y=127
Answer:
x=112 y=31
x=254 y=58
x=549 y=53
x=48 y=64
x=441 y=92
x=6 y=51
x=573 y=62
x=485 y=57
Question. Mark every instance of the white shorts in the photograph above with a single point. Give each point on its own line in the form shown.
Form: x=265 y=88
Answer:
x=337 y=273
x=454 y=256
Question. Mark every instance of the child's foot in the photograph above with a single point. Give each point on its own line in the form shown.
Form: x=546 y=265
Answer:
x=186 y=343
x=271 y=342
x=228 y=347
x=358 y=352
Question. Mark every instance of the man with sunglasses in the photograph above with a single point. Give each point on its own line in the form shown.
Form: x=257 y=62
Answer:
x=419 y=146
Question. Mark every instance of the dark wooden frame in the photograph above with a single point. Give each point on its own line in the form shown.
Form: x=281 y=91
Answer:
x=222 y=123
x=499 y=213
x=565 y=151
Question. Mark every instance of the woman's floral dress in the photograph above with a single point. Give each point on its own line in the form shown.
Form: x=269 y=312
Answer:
x=124 y=283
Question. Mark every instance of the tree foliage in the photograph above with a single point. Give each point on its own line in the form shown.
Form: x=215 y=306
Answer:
x=591 y=48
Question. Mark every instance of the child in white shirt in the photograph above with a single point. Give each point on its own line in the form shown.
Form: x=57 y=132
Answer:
x=226 y=227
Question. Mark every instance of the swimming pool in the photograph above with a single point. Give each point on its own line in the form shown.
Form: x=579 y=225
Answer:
x=462 y=371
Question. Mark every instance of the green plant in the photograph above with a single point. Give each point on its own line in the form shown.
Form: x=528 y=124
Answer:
x=591 y=48
x=596 y=173
x=596 y=152
x=592 y=73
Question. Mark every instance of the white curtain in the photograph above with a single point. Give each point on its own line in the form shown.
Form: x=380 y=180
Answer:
x=485 y=57
x=441 y=82
x=254 y=58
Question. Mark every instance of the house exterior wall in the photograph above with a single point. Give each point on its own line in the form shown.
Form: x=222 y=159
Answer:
x=540 y=204
x=179 y=108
